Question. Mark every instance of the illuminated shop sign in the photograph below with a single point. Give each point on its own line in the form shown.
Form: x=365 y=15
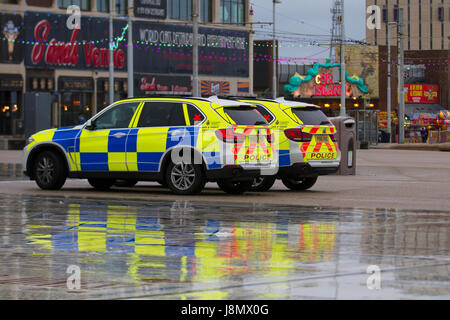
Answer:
x=324 y=86
x=55 y=46
x=421 y=93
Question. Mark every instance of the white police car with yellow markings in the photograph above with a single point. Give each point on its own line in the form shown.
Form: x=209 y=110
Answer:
x=180 y=142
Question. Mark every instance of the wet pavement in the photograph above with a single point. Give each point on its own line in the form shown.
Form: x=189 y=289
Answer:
x=11 y=171
x=181 y=249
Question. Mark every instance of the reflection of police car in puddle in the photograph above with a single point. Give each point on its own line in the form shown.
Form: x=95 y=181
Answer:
x=180 y=142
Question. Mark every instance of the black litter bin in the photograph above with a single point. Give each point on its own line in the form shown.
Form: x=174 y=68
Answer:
x=346 y=139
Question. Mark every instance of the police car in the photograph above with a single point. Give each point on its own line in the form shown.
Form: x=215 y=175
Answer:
x=180 y=142
x=307 y=145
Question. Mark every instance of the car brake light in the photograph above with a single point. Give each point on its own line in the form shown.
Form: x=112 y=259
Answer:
x=298 y=135
x=229 y=136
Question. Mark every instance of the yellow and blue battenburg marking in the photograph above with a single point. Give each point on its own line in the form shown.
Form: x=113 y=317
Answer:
x=133 y=149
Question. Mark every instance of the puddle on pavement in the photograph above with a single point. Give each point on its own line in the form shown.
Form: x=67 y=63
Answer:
x=160 y=248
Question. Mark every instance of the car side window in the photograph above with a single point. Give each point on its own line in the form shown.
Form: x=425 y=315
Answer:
x=266 y=113
x=161 y=114
x=117 y=117
x=195 y=116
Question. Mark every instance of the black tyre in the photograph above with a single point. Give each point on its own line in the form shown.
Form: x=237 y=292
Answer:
x=50 y=171
x=185 y=178
x=263 y=183
x=125 y=183
x=299 y=184
x=238 y=187
x=101 y=184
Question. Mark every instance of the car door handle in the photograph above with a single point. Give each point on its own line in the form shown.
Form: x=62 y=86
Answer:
x=119 y=135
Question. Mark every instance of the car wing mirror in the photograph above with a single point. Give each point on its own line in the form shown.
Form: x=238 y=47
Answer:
x=89 y=125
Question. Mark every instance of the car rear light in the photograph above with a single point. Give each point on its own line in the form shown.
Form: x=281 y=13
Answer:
x=229 y=136
x=298 y=135
x=270 y=138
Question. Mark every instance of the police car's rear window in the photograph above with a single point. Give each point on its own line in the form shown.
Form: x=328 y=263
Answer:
x=311 y=116
x=245 y=115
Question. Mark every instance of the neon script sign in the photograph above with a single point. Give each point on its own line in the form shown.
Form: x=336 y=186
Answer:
x=324 y=86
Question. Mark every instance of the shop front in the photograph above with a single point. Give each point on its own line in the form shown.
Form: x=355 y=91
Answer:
x=11 y=93
x=76 y=100
x=120 y=91
x=147 y=84
x=321 y=86
x=425 y=118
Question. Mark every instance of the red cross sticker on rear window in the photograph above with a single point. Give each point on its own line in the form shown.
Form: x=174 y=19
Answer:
x=267 y=116
x=197 y=117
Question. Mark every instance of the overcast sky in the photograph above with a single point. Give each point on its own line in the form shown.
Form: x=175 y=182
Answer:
x=308 y=17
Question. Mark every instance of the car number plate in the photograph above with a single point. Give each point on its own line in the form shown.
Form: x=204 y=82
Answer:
x=321 y=138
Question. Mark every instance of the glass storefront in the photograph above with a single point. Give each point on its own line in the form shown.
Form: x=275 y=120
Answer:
x=76 y=108
x=120 y=92
x=76 y=100
x=11 y=88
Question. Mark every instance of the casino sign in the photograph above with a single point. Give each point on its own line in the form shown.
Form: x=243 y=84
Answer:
x=320 y=81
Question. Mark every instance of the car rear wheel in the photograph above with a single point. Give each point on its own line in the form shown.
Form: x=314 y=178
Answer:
x=263 y=183
x=183 y=178
x=299 y=184
x=125 y=183
x=235 y=187
x=50 y=171
x=101 y=184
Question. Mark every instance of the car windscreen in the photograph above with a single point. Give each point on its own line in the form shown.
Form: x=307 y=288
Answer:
x=245 y=115
x=311 y=116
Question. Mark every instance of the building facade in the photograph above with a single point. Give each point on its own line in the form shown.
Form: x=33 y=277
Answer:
x=41 y=52
x=426 y=23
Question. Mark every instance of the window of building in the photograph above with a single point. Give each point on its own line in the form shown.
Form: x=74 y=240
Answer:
x=9 y=1
x=232 y=11
x=121 y=6
x=84 y=5
x=182 y=10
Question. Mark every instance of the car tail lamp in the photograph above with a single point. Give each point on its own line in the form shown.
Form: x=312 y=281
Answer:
x=298 y=135
x=229 y=136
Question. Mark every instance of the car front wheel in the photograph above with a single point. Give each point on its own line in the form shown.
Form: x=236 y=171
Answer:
x=101 y=184
x=235 y=187
x=299 y=184
x=263 y=183
x=50 y=172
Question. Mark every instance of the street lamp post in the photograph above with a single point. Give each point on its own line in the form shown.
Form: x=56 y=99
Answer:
x=130 y=51
x=195 y=18
x=111 y=53
x=389 y=120
x=274 y=55
x=343 y=111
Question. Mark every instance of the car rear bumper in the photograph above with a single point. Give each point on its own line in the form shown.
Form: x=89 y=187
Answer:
x=311 y=169
x=235 y=173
